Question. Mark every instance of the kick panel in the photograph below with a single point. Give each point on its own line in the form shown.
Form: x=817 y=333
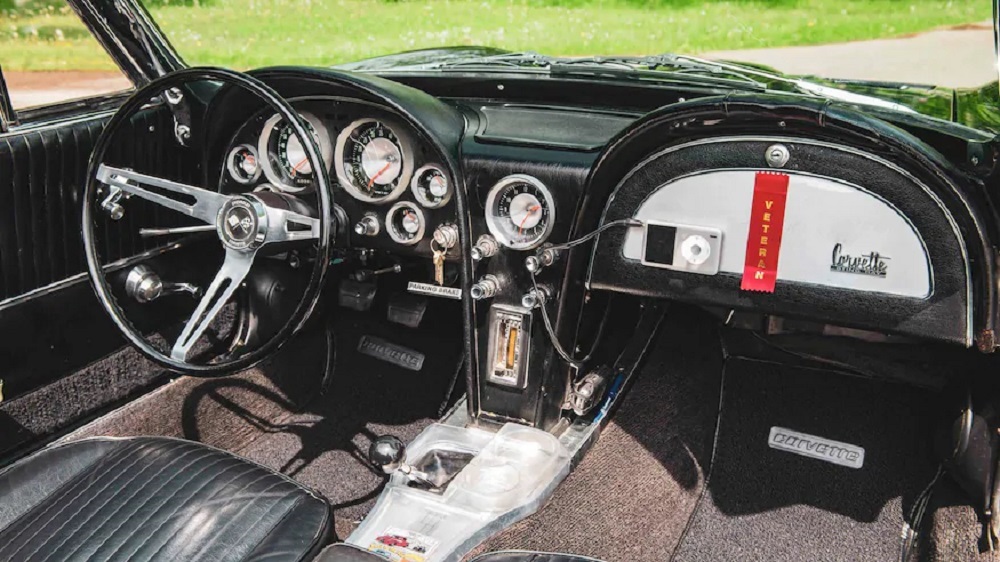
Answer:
x=835 y=234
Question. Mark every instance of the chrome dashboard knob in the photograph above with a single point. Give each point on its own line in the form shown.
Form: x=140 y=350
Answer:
x=367 y=226
x=485 y=288
x=446 y=235
x=486 y=246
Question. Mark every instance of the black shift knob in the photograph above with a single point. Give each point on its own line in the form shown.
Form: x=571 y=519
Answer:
x=387 y=452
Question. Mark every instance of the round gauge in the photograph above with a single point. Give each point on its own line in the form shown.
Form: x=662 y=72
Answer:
x=243 y=164
x=431 y=187
x=373 y=161
x=405 y=223
x=286 y=163
x=520 y=212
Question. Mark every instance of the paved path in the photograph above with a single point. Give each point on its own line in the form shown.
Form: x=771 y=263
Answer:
x=959 y=57
x=28 y=89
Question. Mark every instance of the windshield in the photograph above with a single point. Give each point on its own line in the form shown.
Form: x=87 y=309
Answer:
x=44 y=45
x=947 y=43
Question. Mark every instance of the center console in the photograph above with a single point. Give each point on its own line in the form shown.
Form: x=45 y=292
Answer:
x=464 y=485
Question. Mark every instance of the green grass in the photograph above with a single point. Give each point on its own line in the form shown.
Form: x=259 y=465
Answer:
x=250 y=33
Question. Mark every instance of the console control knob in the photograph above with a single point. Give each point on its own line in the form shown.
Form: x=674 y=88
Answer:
x=446 y=235
x=486 y=246
x=367 y=226
x=388 y=453
x=696 y=249
x=485 y=288
x=542 y=259
x=536 y=297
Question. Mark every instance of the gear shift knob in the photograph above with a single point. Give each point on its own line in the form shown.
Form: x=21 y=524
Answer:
x=387 y=452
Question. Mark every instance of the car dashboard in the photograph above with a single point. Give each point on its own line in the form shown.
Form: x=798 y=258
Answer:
x=536 y=212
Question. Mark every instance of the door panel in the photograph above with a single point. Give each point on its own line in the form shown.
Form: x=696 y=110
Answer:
x=47 y=333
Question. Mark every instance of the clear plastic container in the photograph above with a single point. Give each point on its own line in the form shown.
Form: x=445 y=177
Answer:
x=514 y=471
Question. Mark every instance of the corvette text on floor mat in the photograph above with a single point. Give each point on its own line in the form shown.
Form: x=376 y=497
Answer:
x=815 y=447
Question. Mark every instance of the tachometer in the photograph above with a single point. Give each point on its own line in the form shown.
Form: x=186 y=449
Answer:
x=374 y=162
x=430 y=186
x=286 y=164
x=520 y=212
x=405 y=223
x=243 y=164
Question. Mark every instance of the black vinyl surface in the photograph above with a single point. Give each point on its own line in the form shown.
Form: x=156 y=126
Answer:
x=766 y=504
x=154 y=499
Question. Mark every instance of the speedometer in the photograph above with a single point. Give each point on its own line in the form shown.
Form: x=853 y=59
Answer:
x=285 y=162
x=520 y=212
x=374 y=162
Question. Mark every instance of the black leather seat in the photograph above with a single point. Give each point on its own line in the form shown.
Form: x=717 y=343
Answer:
x=151 y=498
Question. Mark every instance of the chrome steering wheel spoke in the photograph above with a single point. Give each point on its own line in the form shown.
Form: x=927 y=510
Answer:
x=289 y=226
x=192 y=201
x=234 y=270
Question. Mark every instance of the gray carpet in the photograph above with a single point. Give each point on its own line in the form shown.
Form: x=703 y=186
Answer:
x=631 y=496
x=279 y=416
x=54 y=407
x=765 y=504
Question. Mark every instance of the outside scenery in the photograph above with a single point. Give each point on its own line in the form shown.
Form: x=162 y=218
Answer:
x=47 y=53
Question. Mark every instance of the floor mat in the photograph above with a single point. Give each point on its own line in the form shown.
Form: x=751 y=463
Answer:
x=762 y=503
x=632 y=495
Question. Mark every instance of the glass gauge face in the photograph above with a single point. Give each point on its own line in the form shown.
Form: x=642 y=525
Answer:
x=287 y=164
x=373 y=163
x=243 y=164
x=431 y=187
x=405 y=223
x=520 y=212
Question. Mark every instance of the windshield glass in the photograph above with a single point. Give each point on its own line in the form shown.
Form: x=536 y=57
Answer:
x=931 y=42
x=948 y=43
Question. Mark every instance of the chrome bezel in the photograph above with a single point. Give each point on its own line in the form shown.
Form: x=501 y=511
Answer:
x=493 y=222
x=232 y=170
x=405 y=151
x=391 y=230
x=258 y=231
x=325 y=149
x=415 y=187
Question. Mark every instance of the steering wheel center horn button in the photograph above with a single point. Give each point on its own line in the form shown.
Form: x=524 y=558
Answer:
x=693 y=249
x=242 y=223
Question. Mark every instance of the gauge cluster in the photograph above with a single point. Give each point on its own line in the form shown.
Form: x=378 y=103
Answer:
x=520 y=212
x=392 y=187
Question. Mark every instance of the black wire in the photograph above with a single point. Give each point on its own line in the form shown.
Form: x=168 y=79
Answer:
x=589 y=237
x=542 y=305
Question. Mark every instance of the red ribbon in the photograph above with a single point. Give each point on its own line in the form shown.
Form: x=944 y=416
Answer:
x=767 y=220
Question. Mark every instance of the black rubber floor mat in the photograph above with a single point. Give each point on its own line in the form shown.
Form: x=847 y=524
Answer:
x=763 y=503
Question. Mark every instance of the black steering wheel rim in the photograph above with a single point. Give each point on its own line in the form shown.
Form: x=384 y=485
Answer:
x=323 y=242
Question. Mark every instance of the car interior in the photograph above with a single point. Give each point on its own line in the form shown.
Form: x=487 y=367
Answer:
x=375 y=312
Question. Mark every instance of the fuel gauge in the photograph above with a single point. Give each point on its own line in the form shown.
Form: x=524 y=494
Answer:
x=405 y=223
x=430 y=186
x=243 y=164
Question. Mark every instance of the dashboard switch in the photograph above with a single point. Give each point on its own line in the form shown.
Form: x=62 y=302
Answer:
x=486 y=246
x=367 y=226
x=485 y=288
x=446 y=236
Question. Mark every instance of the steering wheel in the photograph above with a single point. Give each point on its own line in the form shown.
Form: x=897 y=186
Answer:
x=247 y=225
